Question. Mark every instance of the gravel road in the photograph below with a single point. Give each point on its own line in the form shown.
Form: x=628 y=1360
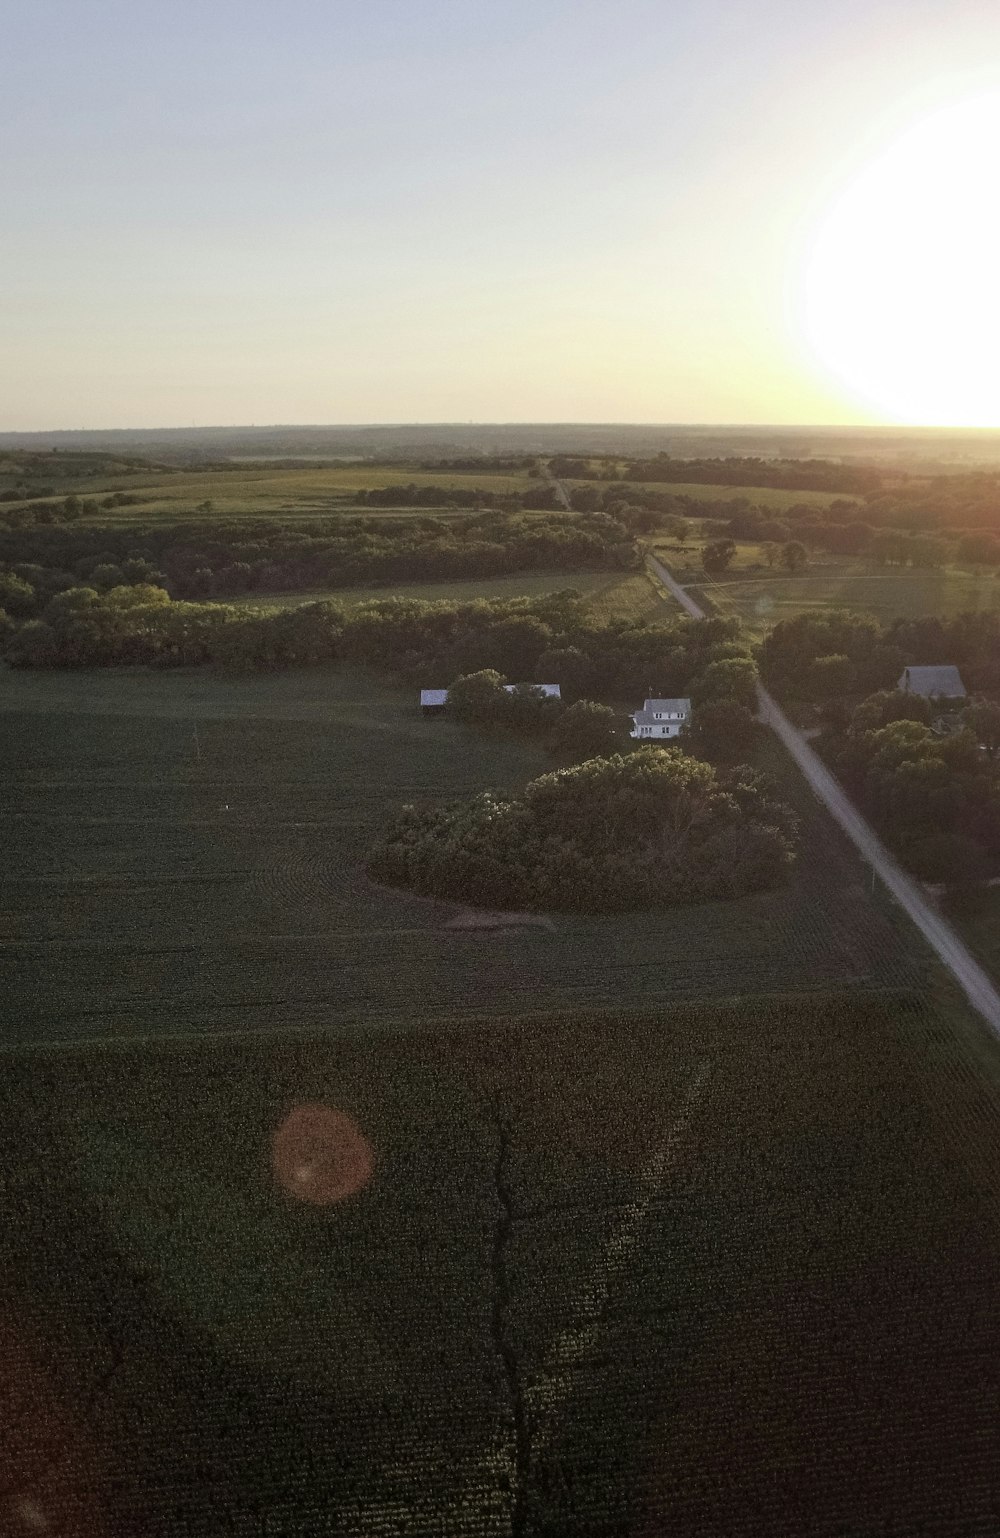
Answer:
x=946 y=944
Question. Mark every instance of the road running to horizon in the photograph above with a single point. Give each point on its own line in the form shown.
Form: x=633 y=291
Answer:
x=940 y=936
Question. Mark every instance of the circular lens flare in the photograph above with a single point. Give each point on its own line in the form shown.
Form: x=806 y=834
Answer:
x=320 y=1155
x=901 y=296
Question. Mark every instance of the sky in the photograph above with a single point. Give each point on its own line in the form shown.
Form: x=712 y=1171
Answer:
x=279 y=211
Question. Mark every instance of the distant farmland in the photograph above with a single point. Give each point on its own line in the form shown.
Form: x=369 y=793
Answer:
x=269 y=492
x=761 y=598
x=763 y=496
x=184 y=853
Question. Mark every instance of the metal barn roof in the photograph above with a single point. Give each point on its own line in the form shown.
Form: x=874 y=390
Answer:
x=433 y=697
x=943 y=681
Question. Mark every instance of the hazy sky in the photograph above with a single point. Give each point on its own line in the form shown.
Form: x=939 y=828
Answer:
x=229 y=211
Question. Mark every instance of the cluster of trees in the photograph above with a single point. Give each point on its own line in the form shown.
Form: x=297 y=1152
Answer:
x=486 y=464
x=550 y=639
x=225 y=560
x=784 y=474
x=831 y=654
x=647 y=830
x=934 y=797
x=723 y=728
x=718 y=556
x=582 y=728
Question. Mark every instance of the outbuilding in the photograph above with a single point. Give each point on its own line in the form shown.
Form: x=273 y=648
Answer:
x=433 y=701
x=933 y=683
x=660 y=718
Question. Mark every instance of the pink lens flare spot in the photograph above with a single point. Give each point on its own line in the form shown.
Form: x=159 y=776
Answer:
x=320 y=1155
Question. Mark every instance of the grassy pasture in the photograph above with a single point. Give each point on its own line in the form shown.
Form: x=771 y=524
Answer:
x=603 y=588
x=759 y=599
x=183 y=852
x=245 y=491
x=762 y=496
x=728 y=1270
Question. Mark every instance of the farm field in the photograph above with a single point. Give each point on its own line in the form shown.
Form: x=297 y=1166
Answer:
x=729 y=1270
x=247 y=491
x=606 y=590
x=762 y=599
x=763 y=496
x=184 y=852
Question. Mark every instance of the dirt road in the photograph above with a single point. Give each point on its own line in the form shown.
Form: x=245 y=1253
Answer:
x=950 y=950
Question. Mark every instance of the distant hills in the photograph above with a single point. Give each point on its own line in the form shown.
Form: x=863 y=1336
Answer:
x=192 y=445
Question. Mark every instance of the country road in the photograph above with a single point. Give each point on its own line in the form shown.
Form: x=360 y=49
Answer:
x=950 y=950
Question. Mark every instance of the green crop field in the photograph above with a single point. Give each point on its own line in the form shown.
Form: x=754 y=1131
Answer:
x=762 y=496
x=607 y=591
x=184 y=852
x=764 y=597
x=728 y=1271
x=268 y=492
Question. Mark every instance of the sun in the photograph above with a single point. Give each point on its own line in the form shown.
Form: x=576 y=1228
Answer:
x=901 y=298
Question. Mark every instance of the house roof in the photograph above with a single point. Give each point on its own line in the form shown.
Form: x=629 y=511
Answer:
x=647 y=718
x=551 y=691
x=944 y=681
x=433 y=696
x=653 y=709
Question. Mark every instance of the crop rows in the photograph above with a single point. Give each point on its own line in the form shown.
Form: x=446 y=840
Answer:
x=725 y=1271
x=154 y=880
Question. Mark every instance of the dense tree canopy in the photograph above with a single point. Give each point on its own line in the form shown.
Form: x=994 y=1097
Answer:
x=871 y=657
x=647 y=830
x=227 y=559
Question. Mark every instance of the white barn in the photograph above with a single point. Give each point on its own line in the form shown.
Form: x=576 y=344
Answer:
x=660 y=718
x=943 y=683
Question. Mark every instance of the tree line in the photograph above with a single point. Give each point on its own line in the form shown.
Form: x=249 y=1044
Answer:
x=830 y=654
x=553 y=638
x=926 y=773
x=229 y=559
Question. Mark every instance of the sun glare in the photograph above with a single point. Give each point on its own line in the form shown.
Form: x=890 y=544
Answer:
x=902 y=284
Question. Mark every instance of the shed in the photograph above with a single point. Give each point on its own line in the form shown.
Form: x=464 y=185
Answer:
x=660 y=718
x=944 y=683
x=433 y=701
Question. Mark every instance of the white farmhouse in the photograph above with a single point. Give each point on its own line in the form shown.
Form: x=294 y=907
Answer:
x=660 y=718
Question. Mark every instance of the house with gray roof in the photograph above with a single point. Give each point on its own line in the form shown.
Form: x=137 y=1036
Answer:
x=939 y=683
x=659 y=719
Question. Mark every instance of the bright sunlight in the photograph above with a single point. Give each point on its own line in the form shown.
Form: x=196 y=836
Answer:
x=901 y=285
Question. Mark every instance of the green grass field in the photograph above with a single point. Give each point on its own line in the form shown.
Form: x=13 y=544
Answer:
x=251 y=491
x=762 y=496
x=760 y=599
x=184 y=852
x=606 y=591
x=728 y=1270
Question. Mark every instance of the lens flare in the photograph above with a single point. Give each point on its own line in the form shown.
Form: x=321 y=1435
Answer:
x=321 y=1156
